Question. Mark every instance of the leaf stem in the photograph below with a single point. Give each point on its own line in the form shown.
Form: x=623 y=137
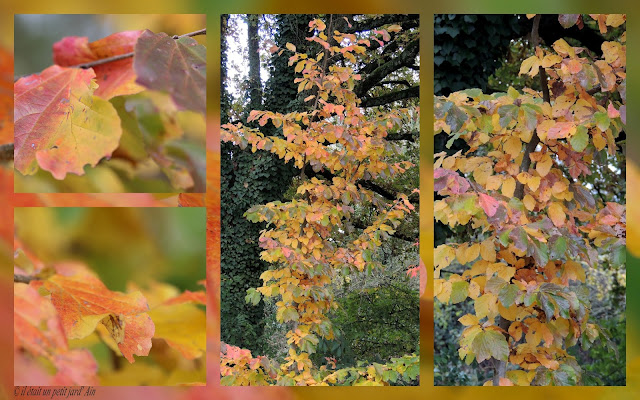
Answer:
x=24 y=278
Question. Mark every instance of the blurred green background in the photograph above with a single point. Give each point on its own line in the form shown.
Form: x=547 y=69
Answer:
x=426 y=9
x=121 y=245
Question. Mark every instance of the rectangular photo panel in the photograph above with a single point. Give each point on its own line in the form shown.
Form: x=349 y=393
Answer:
x=109 y=296
x=110 y=103
x=530 y=200
x=319 y=200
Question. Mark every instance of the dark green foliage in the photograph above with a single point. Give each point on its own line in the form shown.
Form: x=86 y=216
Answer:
x=601 y=365
x=456 y=42
x=374 y=325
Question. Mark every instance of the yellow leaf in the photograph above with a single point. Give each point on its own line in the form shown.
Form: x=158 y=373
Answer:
x=513 y=146
x=183 y=327
x=529 y=202
x=486 y=306
x=488 y=250
x=533 y=183
x=508 y=186
x=291 y=47
x=527 y=64
x=472 y=252
x=444 y=292
x=443 y=255
x=468 y=320
x=563 y=48
x=494 y=182
x=556 y=213
x=510 y=313
x=615 y=20
x=599 y=141
x=544 y=165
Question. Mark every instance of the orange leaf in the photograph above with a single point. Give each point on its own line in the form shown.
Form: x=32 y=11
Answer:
x=83 y=301
x=191 y=200
x=115 y=78
x=38 y=329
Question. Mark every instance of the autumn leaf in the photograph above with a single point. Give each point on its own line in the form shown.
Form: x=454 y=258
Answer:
x=488 y=204
x=115 y=78
x=490 y=344
x=38 y=329
x=191 y=200
x=182 y=326
x=83 y=301
x=60 y=125
x=177 y=67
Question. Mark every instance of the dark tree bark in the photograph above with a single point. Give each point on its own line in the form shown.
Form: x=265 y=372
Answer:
x=255 y=84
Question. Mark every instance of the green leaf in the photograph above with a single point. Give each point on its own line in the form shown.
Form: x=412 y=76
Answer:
x=507 y=113
x=490 y=344
x=459 y=291
x=290 y=314
x=580 y=139
x=456 y=118
x=602 y=120
x=508 y=295
x=253 y=296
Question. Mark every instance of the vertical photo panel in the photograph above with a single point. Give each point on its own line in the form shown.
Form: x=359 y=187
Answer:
x=530 y=209
x=319 y=200
x=109 y=296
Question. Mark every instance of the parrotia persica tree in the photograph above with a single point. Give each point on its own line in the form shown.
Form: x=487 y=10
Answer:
x=347 y=145
x=136 y=96
x=521 y=188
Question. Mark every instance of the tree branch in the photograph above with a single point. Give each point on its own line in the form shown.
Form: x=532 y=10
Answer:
x=398 y=235
x=387 y=98
x=372 y=23
x=501 y=366
x=126 y=55
x=24 y=278
x=6 y=152
x=409 y=136
x=407 y=57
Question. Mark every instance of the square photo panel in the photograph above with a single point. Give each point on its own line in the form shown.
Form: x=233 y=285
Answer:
x=319 y=177
x=109 y=297
x=110 y=103
x=530 y=200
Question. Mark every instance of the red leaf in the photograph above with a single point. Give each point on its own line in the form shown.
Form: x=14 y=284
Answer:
x=59 y=123
x=488 y=204
x=115 y=78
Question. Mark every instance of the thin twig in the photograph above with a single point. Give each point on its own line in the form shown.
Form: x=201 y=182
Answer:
x=127 y=55
x=24 y=278
x=124 y=56
x=6 y=152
